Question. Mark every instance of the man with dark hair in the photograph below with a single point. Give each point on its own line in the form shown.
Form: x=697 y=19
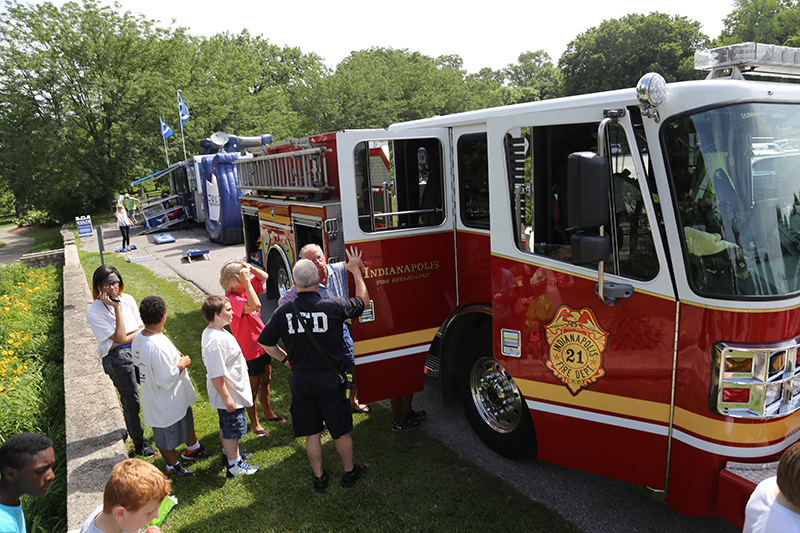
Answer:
x=167 y=391
x=26 y=467
x=316 y=399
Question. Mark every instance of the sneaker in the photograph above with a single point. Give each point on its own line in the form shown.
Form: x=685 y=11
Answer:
x=349 y=478
x=321 y=483
x=242 y=468
x=242 y=455
x=145 y=451
x=407 y=424
x=199 y=453
x=417 y=416
x=179 y=470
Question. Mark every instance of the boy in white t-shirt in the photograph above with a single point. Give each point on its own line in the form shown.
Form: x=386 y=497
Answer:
x=167 y=391
x=228 y=383
x=774 y=507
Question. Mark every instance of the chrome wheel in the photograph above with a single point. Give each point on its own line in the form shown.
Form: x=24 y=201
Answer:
x=497 y=398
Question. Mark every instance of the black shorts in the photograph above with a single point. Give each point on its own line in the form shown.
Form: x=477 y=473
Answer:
x=257 y=366
x=315 y=400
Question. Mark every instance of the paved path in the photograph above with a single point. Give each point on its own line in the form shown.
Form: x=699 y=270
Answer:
x=16 y=245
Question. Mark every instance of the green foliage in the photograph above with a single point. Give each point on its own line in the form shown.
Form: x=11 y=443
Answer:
x=31 y=375
x=617 y=53
x=532 y=78
x=35 y=217
x=84 y=85
x=763 y=21
x=380 y=86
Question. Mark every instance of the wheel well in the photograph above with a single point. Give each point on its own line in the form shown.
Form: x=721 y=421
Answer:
x=275 y=260
x=463 y=334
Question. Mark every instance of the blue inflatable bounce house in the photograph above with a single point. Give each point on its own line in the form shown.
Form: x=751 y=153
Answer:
x=220 y=178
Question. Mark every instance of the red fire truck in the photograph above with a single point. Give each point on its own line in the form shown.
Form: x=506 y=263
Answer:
x=610 y=281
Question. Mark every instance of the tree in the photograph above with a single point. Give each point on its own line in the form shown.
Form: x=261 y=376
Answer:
x=762 y=21
x=380 y=86
x=82 y=89
x=617 y=53
x=532 y=78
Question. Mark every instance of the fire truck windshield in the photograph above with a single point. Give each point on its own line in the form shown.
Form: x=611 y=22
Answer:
x=736 y=177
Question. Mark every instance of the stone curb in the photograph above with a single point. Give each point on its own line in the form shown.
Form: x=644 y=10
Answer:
x=94 y=424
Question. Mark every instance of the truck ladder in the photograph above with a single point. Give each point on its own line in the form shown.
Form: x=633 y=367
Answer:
x=295 y=171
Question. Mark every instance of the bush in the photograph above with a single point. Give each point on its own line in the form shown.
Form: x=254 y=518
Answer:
x=34 y=217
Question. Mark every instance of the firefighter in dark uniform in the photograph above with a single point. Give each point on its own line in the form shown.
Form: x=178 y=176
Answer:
x=316 y=398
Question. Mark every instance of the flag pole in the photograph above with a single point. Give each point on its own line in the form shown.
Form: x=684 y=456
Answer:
x=166 y=154
x=180 y=119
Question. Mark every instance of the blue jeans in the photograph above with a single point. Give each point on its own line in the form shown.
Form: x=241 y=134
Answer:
x=119 y=366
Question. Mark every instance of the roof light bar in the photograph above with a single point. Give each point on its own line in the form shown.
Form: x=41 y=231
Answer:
x=750 y=58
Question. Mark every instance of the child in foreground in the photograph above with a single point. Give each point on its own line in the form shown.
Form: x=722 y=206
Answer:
x=167 y=391
x=131 y=499
x=774 y=507
x=26 y=467
x=228 y=383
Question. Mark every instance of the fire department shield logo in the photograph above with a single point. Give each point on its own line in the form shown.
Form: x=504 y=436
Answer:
x=576 y=345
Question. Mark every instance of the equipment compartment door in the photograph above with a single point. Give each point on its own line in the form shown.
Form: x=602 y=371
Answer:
x=397 y=209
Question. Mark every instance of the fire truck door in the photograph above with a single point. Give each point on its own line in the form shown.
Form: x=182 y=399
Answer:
x=397 y=210
x=596 y=378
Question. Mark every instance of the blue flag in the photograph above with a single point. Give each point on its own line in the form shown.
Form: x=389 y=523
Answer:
x=183 y=110
x=166 y=131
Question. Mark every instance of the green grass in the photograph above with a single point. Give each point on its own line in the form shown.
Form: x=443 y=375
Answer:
x=46 y=239
x=414 y=482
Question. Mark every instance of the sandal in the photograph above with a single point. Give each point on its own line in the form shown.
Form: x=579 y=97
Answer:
x=261 y=432
x=364 y=409
x=278 y=419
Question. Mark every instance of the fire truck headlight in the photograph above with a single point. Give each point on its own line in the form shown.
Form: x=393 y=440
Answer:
x=773 y=394
x=651 y=92
x=652 y=89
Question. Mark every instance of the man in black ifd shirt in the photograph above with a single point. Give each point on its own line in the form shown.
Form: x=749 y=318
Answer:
x=314 y=384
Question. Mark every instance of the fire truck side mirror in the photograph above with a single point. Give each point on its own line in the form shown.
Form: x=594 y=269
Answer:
x=587 y=191
x=589 y=247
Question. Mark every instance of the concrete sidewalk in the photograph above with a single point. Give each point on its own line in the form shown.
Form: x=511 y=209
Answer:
x=16 y=245
x=169 y=260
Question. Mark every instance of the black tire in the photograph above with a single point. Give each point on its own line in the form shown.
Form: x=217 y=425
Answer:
x=493 y=403
x=280 y=279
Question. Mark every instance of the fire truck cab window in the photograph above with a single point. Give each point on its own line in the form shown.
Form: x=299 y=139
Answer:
x=736 y=177
x=537 y=166
x=399 y=184
x=473 y=180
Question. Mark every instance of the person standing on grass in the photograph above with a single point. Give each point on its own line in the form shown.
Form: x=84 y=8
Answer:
x=332 y=284
x=316 y=398
x=167 y=391
x=227 y=383
x=133 y=494
x=114 y=318
x=242 y=284
x=26 y=467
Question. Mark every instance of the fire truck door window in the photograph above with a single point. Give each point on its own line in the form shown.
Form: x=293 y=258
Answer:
x=399 y=184
x=473 y=180
x=540 y=186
